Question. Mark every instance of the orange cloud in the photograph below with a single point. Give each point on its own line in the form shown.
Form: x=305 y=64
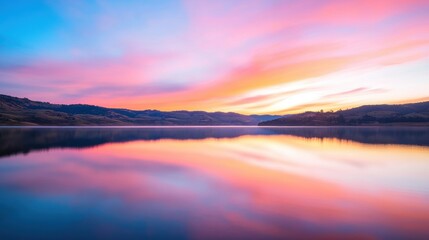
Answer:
x=230 y=52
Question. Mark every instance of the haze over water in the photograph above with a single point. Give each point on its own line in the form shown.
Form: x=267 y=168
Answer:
x=214 y=183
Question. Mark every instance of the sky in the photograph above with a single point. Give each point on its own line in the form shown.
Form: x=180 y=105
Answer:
x=245 y=56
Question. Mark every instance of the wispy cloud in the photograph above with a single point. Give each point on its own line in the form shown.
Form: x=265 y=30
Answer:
x=215 y=55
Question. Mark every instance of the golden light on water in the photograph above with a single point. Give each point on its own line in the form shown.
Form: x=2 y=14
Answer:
x=249 y=182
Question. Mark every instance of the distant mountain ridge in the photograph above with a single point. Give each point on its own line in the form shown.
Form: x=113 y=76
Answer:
x=16 y=111
x=401 y=114
x=22 y=111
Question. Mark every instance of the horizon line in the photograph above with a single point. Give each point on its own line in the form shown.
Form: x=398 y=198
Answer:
x=426 y=99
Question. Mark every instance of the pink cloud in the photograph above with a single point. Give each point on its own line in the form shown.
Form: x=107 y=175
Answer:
x=227 y=50
x=363 y=12
x=75 y=77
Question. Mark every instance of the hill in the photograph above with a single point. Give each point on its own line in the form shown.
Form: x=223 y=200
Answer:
x=404 y=114
x=22 y=111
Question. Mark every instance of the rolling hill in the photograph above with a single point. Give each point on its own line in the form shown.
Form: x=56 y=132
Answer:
x=404 y=114
x=22 y=111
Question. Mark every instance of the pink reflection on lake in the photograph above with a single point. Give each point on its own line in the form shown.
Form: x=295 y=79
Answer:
x=253 y=187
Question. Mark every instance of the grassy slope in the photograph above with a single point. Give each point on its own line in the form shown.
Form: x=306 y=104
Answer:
x=405 y=114
x=22 y=111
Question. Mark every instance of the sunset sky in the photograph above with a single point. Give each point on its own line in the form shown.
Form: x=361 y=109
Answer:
x=245 y=56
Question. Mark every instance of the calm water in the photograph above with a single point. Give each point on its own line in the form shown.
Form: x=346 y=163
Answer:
x=214 y=183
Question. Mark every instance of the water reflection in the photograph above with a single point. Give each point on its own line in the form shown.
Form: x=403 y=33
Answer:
x=23 y=140
x=235 y=183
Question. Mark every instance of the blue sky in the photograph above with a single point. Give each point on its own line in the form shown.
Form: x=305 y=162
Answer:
x=211 y=55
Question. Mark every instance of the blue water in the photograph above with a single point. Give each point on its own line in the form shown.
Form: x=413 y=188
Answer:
x=214 y=183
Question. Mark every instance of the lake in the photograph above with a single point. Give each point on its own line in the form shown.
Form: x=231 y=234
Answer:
x=214 y=183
